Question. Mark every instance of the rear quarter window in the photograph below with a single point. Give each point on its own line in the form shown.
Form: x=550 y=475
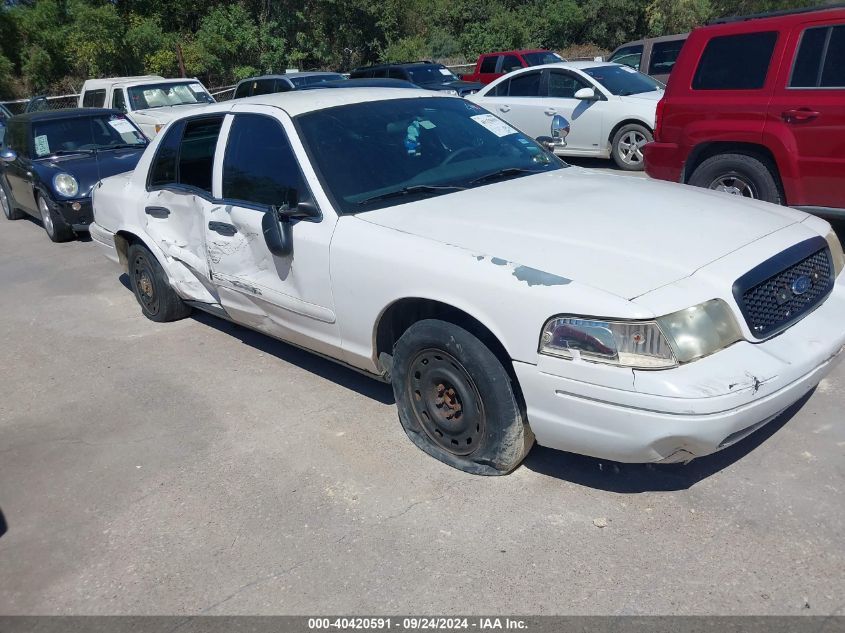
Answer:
x=94 y=99
x=819 y=62
x=735 y=62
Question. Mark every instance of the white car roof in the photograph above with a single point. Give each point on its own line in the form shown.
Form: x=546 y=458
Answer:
x=93 y=84
x=296 y=102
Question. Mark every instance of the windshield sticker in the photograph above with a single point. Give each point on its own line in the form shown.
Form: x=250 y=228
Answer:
x=445 y=71
x=428 y=125
x=122 y=126
x=493 y=124
x=198 y=89
x=42 y=147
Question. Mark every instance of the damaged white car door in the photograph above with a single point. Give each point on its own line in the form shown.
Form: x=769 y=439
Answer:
x=257 y=178
x=216 y=182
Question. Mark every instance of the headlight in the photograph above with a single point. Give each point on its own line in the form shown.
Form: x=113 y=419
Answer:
x=66 y=185
x=637 y=344
x=660 y=344
x=836 y=250
x=700 y=330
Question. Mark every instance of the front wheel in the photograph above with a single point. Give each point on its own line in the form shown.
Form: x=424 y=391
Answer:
x=55 y=227
x=627 y=146
x=739 y=175
x=456 y=401
x=159 y=302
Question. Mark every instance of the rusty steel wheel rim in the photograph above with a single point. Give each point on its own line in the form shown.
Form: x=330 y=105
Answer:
x=446 y=402
x=142 y=276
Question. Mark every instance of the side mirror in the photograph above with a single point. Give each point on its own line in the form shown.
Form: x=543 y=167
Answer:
x=560 y=130
x=276 y=223
x=8 y=155
x=586 y=94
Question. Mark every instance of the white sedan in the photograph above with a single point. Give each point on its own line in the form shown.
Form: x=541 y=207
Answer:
x=611 y=107
x=503 y=294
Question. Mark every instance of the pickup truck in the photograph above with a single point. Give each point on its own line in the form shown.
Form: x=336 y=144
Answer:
x=150 y=101
x=491 y=66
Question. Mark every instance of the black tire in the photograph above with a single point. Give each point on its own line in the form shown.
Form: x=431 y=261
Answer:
x=739 y=174
x=439 y=371
x=158 y=301
x=627 y=156
x=54 y=225
x=9 y=209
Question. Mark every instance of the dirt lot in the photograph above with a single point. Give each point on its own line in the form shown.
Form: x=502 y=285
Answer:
x=197 y=467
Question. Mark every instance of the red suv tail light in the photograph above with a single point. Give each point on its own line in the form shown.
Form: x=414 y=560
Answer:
x=658 y=118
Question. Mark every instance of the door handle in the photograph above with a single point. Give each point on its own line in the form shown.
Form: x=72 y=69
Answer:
x=799 y=114
x=551 y=111
x=223 y=228
x=505 y=108
x=157 y=212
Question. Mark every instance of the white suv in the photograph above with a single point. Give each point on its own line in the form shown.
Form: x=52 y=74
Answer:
x=150 y=101
x=505 y=295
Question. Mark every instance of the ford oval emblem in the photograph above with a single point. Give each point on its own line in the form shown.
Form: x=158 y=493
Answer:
x=801 y=285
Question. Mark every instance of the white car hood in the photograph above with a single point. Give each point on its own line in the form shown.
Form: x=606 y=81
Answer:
x=624 y=235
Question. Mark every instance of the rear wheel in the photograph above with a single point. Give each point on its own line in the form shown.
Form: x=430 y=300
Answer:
x=55 y=227
x=627 y=146
x=739 y=175
x=159 y=302
x=9 y=211
x=456 y=401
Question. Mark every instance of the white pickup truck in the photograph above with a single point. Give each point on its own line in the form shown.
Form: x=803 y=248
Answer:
x=150 y=101
x=504 y=294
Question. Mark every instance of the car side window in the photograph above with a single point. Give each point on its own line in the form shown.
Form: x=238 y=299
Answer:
x=282 y=85
x=396 y=73
x=259 y=166
x=118 y=101
x=94 y=98
x=242 y=90
x=719 y=67
x=263 y=87
x=488 y=64
x=818 y=63
x=663 y=57
x=525 y=85
x=196 y=152
x=510 y=62
x=163 y=168
x=379 y=72
x=564 y=86
x=16 y=138
x=629 y=56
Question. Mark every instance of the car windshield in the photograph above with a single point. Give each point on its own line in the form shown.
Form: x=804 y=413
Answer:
x=622 y=80
x=544 y=57
x=310 y=80
x=431 y=74
x=86 y=133
x=383 y=153
x=169 y=94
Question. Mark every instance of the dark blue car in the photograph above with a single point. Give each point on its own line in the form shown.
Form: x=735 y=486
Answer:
x=50 y=162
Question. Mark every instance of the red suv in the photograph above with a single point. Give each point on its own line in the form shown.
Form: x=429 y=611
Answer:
x=756 y=107
x=491 y=66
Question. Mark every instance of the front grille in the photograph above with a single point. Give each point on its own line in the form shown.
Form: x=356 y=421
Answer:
x=780 y=291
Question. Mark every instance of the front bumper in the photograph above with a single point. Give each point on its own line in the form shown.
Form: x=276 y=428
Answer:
x=664 y=161
x=692 y=410
x=77 y=219
x=104 y=239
